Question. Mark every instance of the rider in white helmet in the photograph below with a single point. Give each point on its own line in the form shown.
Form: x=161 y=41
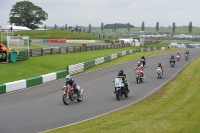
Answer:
x=71 y=82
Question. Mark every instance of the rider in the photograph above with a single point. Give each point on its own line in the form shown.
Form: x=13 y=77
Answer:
x=178 y=54
x=187 y=51
x=140 y=68
x=160 y=66
x=71 y=82
x=143 y=59
x=124 y=78
x=172 y=59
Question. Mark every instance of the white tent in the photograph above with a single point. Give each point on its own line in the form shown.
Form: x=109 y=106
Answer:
x=15 y=28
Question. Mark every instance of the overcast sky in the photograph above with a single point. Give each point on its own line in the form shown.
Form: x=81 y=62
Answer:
x=84 y=12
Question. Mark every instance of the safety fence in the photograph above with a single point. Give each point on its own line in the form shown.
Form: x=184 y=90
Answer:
x=72 y=49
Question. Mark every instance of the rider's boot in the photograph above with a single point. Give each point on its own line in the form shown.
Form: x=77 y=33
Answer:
x=114 y=91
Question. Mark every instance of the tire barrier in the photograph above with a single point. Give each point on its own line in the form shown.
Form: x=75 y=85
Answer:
x=76 y=68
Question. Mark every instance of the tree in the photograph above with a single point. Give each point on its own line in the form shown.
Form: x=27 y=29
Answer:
x=45 y=27
x=128 y=26
x=190 y=27
x=142 y=27
x=157 y=26
x=90 y=27
x=25 y=13
x=55 y=26
x=173 y=27
x=115 y=27
x=65 y=26
x=102 y=27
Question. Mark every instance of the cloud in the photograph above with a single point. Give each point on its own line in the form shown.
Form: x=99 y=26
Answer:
x=76 y=12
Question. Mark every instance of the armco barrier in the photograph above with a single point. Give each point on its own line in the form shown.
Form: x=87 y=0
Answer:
x=34 y=81
x=16 y=85
x=49 y=77
x=25 y=83
x=2 y=88
x=61 y=74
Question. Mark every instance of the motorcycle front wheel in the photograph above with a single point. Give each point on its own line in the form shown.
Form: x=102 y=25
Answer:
x=118 y=95
x=65 y=99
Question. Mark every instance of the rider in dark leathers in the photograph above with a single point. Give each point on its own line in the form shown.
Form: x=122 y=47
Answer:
x=125 y=81
x=71 y=82
x=172 y=59
x=144 y=60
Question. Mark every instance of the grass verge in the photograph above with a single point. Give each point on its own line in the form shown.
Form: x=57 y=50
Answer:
x=173 y=109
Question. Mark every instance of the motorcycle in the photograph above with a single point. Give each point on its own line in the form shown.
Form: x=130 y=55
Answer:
x=172 y=62
x=143 y=62
x=178 y=57
x=159 y=72
x=71 y=95
x=139 y=77
x=120 y=88
x=186 y=56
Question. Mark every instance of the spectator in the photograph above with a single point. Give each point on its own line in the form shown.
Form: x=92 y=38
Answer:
x=11 y=28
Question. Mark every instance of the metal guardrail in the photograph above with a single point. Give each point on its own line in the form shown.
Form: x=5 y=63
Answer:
x=72 y=49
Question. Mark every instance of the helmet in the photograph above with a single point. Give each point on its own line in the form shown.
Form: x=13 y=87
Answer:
x=68 y=77
x=159 y=64
x=142 y=56
x=139 y=63
x=121 y=71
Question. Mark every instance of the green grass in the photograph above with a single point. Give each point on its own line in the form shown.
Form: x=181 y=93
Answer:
x=58 y=34
x=36 y=66
x=173 y=109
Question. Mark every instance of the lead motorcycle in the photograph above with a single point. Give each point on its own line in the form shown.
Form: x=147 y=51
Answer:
x=120 y=88
x=139 y=77
x=72 y=95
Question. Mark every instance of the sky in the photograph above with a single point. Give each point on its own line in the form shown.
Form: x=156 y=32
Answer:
x=94 y=12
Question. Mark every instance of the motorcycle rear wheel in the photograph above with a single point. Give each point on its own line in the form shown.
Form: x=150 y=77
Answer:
x=80 y=98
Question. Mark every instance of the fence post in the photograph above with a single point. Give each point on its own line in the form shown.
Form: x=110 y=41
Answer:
x=80 y=48
x=66 y=49
x=31 y=51
x=51 y=50
x=91 y=48
x=42 y=51
x=59 y=50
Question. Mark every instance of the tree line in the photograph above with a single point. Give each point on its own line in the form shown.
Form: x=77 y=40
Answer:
x=25 y=13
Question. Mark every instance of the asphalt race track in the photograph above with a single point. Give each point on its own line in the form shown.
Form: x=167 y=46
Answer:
x=41 y=108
